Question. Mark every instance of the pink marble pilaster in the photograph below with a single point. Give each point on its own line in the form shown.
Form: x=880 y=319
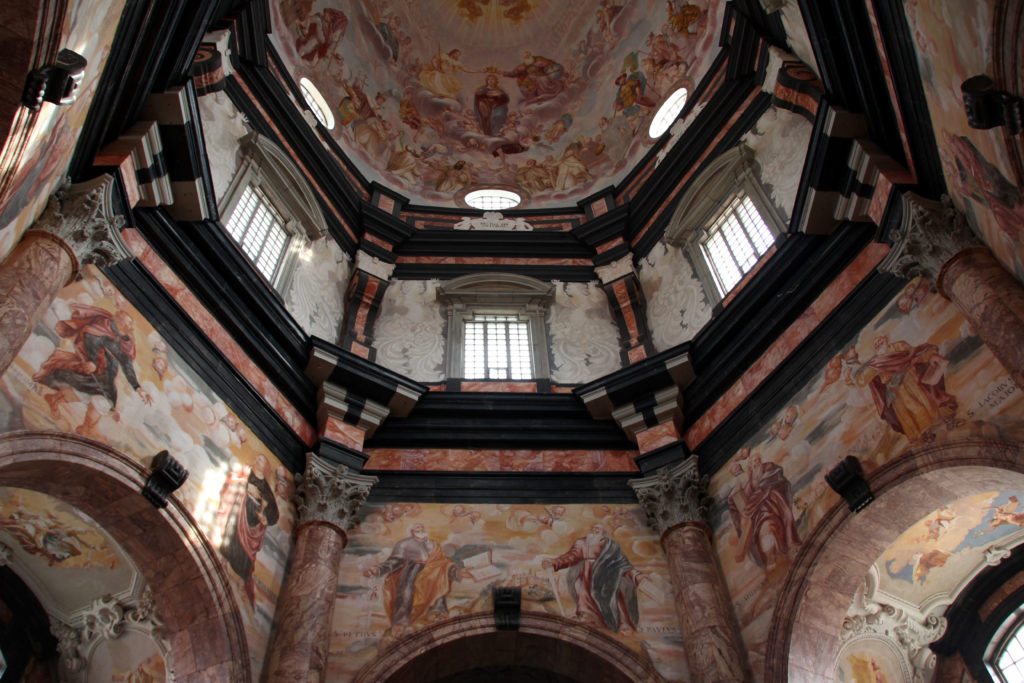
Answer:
x=30 y=278
x=714 y=648
x=992 y=301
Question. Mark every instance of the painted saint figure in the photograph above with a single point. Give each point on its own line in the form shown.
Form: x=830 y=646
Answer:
x=102 y=346
x=601 y=580
x=248 y=524
x=539 y=78
x=418 y=577
x=908 y=386
x=761 y=509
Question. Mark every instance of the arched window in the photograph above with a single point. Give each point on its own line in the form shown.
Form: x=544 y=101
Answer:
x=1004 y=656
x=269 y=208
x=725 y=222
x=496 y=327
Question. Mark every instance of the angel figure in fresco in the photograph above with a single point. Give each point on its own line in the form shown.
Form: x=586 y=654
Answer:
x=761 y=509
x=602 y=581
x=538 y=78
x=1007 y=513
x=908 y=385
x=102 y=346
x=606 y=15
x=439 y=75
x=44 y=537
x=470 y=9
x=683 y=16
x=254 y=510
x=516 y=10
x=418 y=577
x=318 y=37
x=939 y=524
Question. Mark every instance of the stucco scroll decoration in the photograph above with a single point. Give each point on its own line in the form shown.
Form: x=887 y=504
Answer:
x=492 y=220
x=912 y=632
x=331 y=493
x=82 y=217
x=929 y=235
x=673 y=495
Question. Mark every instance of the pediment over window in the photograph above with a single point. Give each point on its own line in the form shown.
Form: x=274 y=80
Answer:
x=505 y=289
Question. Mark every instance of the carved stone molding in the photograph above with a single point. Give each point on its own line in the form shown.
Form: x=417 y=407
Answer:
x=909 y=631
x=616 y=269
x=330 y=493
x=166 y=476
x=82 y=217
x=374 y=266
x=493 y=221
x=105 y=619
x=674 y=495
x=929 y=235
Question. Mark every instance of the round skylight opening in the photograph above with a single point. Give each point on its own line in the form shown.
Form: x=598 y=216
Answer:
x=493 y=199
x=316 y=102
x=667 y=113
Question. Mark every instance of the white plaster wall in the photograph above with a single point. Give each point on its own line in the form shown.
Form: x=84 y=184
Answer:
x=796 y=30
x=315 y=293
x=582 y=334
x=676 y=305
x=779 y=142
x=409 y=335
x=223 y=127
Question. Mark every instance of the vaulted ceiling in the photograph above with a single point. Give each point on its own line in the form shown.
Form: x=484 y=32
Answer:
x=550 y=99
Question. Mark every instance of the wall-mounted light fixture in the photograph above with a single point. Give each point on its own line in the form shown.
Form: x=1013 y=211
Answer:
x=56 y=83
x=987 y=107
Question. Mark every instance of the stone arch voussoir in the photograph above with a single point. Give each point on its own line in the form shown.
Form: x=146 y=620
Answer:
x=188 y=581
x=804 y=638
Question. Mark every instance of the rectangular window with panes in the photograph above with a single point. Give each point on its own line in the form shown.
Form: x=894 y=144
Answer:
x=259 y=230
x=497 y=347
x=735 y=242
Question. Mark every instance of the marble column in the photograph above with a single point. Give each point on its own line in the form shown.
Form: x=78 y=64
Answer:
x=77 y=228
x=676 y=504
x=327 y=501
x=934 y=240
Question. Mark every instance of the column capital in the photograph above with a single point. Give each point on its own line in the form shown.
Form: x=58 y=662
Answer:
x=81 y=216
x=929 y=235
x=330 y=493
x=674 y=495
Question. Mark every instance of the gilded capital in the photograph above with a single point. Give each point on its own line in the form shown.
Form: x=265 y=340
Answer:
x=82 y=217
x=330 y=493
x=673 y=495
x=929 y=235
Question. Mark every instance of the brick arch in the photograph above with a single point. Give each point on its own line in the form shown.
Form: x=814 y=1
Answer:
x=804 y=638
x=544 y=642
x=189 y=584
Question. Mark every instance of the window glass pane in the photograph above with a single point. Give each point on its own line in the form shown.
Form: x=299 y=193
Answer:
x=1011 y=659
x=496 y=347
x=259 y=231
x=735 y=242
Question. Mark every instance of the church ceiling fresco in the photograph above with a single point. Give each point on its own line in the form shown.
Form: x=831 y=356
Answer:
x=551 y=99
x=96 y=367
x=66 y=556
x=915 y=375
x=410 y=565
x=930 y=560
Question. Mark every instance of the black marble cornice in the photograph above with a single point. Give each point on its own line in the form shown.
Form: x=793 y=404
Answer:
x=499 y=421
x=331 y=363
x=152 y=51
x=503 y=487
x=641 y=379
x=608 y=226
x=225 y=282
x=384 y=225
x=534 y=244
